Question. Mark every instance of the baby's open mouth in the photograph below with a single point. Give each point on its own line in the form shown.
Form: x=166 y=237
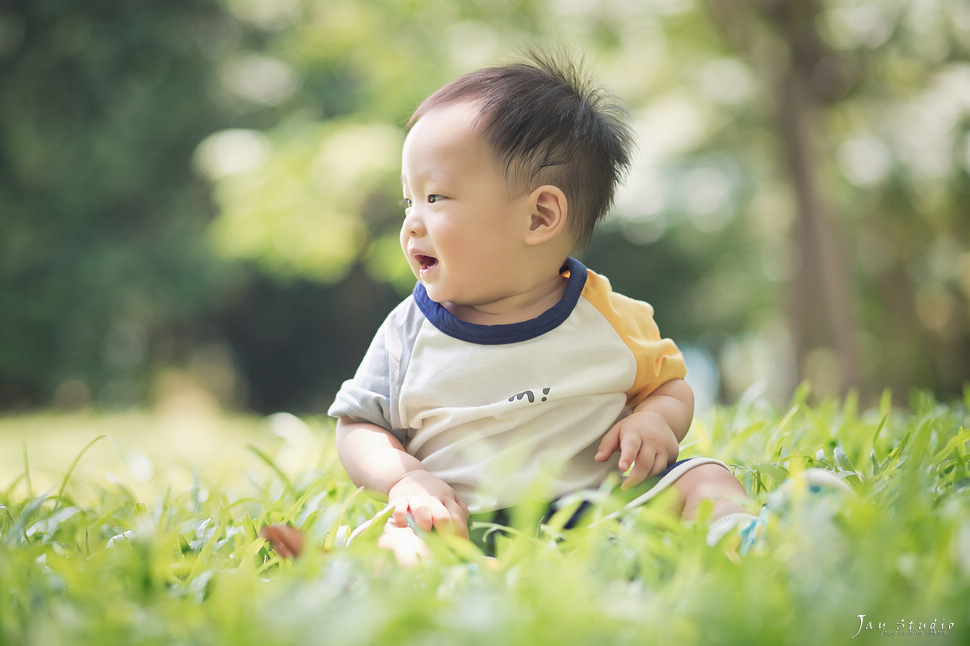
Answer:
x=426 y=262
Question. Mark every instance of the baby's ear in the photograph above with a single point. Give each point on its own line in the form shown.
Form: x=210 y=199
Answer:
x=548 y=212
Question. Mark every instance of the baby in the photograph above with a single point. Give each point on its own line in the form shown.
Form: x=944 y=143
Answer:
x=513 y=373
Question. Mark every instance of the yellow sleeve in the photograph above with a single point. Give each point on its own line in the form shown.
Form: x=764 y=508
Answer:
x=658 y=360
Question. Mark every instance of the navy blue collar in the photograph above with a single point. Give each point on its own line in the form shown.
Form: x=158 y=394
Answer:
x=511 y=332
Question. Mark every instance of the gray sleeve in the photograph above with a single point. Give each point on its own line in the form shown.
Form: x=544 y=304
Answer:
x=372 y=395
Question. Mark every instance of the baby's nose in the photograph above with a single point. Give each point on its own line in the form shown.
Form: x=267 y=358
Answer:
x=413 y=226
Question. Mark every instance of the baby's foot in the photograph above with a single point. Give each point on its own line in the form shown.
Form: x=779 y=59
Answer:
x=808 y=503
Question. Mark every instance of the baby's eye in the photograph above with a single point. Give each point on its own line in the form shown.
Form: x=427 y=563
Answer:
x=406 y=203
x=435 y=198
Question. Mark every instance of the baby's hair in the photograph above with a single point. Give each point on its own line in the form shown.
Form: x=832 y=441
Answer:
x=548 y=123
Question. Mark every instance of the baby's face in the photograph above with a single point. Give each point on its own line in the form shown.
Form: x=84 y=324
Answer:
x=463 y=233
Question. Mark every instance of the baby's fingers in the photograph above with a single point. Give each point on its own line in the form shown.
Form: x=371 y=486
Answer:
x=608 y=445
x=423 y=513
x=642 y=469
x=630 y=446
x=402 y=511
x=445 y=518
x=457 y=519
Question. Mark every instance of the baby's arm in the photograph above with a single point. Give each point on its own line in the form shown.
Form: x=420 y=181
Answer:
x=649 y=437
x=376 y=460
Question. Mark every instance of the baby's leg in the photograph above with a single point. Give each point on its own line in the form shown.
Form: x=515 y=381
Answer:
x=710 y=482
x=715 y=483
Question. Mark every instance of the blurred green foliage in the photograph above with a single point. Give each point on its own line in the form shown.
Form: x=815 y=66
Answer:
x=161 y=546
x=212 y=186
x=102 y=221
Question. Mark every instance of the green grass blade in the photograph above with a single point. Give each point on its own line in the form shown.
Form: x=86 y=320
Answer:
x=330 y=542
x=77 y=459
x=958 y=440
x=30 y=487
x=18 y=530
x=881 y=425
x=259 y=453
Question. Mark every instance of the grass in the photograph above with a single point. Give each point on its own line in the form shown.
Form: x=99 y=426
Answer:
x=143 y=529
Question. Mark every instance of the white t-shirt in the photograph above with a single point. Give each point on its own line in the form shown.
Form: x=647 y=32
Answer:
x=508 y=413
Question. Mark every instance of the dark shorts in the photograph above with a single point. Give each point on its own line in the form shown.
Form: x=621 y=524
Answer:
x=486 y=526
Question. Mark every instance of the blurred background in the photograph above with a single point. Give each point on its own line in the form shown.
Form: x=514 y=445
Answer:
x=199 y=198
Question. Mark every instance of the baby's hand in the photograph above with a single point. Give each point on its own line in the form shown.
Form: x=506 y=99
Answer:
x=404 y=542
x=431 y=501
x=645 y=441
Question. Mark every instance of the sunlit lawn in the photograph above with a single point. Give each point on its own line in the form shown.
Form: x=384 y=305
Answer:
x=143 y=529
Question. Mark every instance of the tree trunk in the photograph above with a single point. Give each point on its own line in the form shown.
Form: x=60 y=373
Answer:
x=821 y=308
x=821 y=311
